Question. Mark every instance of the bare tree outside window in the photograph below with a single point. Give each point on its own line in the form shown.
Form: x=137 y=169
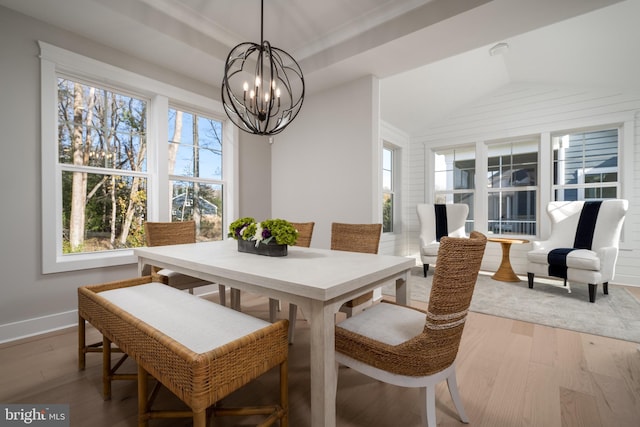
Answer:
x=102 y=162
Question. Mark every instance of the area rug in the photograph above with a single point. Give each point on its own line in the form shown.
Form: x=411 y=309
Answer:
x=549 y=303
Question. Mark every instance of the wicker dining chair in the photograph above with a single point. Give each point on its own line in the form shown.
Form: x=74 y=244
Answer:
x=305 y=233
x=363 y=238
x=407 y=347
x=175 y=233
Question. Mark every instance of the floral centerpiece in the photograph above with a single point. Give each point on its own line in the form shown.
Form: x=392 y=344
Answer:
x=270 y=237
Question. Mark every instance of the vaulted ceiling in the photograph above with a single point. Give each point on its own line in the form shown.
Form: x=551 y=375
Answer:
x=432 y=55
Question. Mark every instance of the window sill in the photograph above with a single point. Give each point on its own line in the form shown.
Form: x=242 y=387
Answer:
x=85 y=261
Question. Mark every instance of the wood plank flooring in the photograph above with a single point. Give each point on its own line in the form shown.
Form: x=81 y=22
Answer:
x=510 y=374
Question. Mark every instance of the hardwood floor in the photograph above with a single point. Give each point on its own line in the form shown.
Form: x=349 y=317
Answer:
x=510 y=374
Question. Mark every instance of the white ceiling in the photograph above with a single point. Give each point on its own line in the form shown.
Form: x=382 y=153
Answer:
x=431 y=54
x=596 y=50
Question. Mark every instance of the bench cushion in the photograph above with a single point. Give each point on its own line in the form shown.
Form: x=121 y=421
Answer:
x=171 y=346
x=196 y=323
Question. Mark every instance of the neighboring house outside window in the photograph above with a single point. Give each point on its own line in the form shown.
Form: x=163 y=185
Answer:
x=589 y=161
x=107 y=167
x=512 y=177
x=454 y=179
x=195 y=172
x=388 y=188
x=585 y=165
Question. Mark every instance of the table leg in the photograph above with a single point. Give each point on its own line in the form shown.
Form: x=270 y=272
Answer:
x=323 y=369
x=403 y=293
x=235 y=299
x=505 y=271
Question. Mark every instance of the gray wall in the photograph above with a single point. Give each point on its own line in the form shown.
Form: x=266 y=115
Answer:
x=325 y=165
x=255 y=182
x=29 y=301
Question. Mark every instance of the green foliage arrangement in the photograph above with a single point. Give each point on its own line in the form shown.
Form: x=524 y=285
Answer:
x=242 y=228
x=275 y=230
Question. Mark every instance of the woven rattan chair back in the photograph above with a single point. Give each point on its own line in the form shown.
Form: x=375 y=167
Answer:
x=175 y=233
x=169 y=233
x=305 y=233
x=453 y=283
x=363 y=238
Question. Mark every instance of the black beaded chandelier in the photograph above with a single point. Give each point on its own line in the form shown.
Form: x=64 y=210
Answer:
x=263 y=86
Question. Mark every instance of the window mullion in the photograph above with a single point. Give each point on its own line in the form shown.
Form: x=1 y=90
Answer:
x=158 y=205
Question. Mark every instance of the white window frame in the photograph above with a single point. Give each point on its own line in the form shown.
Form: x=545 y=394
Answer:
x=394 y=180
x=207 y=181
x=56 y=61
x=533 y=141
x=626 y=123
x=581 y=186
x=449 y=194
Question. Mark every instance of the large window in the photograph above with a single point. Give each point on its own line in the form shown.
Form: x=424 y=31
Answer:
x=195 y=172
x=585 y=165
x=388 y=185
x=454 y=178
x=102 y=166
x=512 y=177
x=107 y=166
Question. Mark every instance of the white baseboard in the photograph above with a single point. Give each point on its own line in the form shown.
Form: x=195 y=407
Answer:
x=37 y=326
x=627 y=280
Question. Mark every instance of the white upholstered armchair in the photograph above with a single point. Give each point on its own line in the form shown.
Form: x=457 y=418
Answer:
x=583 y=244
x=437 y=221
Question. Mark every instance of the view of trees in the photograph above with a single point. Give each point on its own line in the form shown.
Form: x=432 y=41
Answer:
x=102 y=155
x=387 y=213
x=102 y=146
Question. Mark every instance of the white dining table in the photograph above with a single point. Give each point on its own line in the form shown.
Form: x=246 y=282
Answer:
x=319 y=281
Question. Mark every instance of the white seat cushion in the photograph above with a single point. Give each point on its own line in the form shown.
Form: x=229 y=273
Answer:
x=387 y=323
x=538 y=256
x=196 y=323
x=431 y=249
x=582 y=259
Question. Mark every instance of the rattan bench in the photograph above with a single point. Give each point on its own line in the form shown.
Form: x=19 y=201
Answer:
x=199 y=350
